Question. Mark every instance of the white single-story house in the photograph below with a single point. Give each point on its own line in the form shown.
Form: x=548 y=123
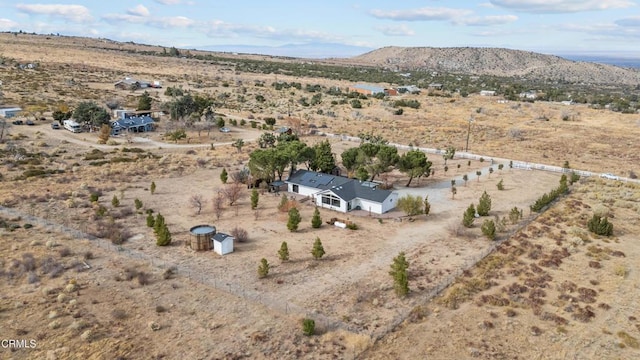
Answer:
x=222 y=243
x=487 y=93
x=340 y=193
x=9 y=112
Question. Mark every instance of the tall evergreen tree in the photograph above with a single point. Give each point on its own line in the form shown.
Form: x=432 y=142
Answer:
x=400 y=276
x=294 y=219
x=224 y=176
x=323 y=159
x=255 y=196
x=469 y=216
x=318 y=249
x=283 y=253
x=316 y=220
x=263 y=268
x=484 y=204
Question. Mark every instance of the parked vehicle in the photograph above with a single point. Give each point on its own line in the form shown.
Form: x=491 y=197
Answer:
x=30 y=123
x=17 y=122
x=225 y=129
x=609 y=176
x=55 y=125
x=72 y=126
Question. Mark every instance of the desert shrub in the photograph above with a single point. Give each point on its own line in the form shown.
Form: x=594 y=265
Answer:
x=411 y=205
x=489 y=229
x=263 y=268
x=500 y=185
x=88 y=255
x=119 y=314
x=308 y=327
x=240 y=234
x=169 y=272
x=283 y=253
x=400 y=276
x=94 y=197
x=352 y=226
x=114 y=201
x=600 y=226
x=484 y=204
x=469 y=216
x=138 y=203
x=143 y=278
x=64 y=252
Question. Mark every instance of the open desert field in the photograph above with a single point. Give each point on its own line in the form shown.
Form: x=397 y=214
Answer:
x=82 y=276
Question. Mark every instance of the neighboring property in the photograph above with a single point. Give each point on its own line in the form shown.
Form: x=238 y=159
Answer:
x=222 y=243
x=411 y=89
x=341 y=193
x=371 y=90
x=487 y=93
x=9 y=112
x=135 y=124
x=529 y=95
x=133 y=84
x=436 y=86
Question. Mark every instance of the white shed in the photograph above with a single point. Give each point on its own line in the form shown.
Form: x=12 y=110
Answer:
x=222 y=243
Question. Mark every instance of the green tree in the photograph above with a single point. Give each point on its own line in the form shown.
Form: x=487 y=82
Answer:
x=449 y=153
x=411 y=205
x=144 y=101
x=362 y=174
x=176 y=135
x=349 y=159
x=283 y=253
x=400 y=275
x=150 y=220
x=427 y=205
x=114 y=201
x=224 y=176
x=267 y=140
x=163 y=238
x=600 y=226
x=484 y=204
x=91 y=114
x=323 y=159
x=263 y=268
x=153 y=188
x=478 y=173
x=238 y=144
x=308 y=327
x=254 y=199
x=318 y=250
x=138 y=204
x=220 y=122
x=284 y=203
x=158 y=224
x=414 y=163
x=294 y=219
x=469 y=216
x=465 y=178
x=515 y=215
x=489 y=229
x=316 y=220
x=500 y=185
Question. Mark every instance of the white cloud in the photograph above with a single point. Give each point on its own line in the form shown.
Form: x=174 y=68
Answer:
x=401 y=30
x=173 y=22
x=74 y=13
x=159 y=22
x=219 y=28
x=6 y=25
x=139 y=10
x=487 y=20
x=561 y=6
x=169 y=2
x=422 y=14
x=633 y=21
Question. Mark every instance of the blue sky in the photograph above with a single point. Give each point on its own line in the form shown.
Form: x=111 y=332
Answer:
x=548 y=26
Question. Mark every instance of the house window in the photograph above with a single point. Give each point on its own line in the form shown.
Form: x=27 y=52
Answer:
x=295 y=188
x=331 y=200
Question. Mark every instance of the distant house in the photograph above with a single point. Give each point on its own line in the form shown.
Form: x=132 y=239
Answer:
x=222 y=243
x=487 y=93
x=135 y=124
x=411 y=89
x=435 y=86
x=371 y=90
x=9 y=112
x=131 y=84
x=529 y=95
x=340 y=193
x=283 y=130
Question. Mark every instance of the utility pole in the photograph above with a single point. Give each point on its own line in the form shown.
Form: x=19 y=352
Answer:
x=468 y=133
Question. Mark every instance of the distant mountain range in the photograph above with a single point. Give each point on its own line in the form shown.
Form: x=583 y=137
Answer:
x=498 y=62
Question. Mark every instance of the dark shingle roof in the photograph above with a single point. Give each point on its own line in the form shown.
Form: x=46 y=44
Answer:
x=347 y=189
x=133 y=121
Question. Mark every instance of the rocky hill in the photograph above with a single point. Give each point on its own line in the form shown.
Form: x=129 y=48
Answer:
x=499 y=62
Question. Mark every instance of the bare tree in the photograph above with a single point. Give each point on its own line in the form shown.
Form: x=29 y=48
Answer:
x=232 y=192
x=196 y=202
x=218 y=205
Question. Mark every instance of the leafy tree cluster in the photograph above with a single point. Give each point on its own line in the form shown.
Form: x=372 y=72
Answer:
x=90 y=113
x=144 y=102
x=271 y=163
x=280 y=85
x=173 y=91
x=188 y=106
x=370 y=160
